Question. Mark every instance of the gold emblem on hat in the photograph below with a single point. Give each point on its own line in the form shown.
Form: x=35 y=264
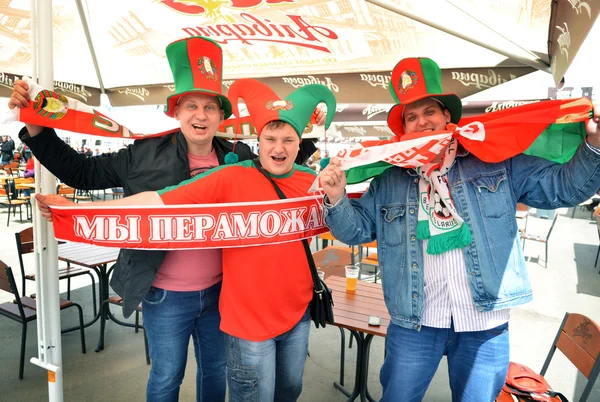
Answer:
x=308 y=129
x=208 y=68
x=280 y=105
x=408 y=80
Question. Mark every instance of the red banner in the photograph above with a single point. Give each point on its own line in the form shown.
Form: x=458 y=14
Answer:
x=182 y=227
x=49 y=109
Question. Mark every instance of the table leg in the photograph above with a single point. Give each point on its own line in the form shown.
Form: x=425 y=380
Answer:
x=104 y=310
x=101 y=278
x=103 y=307
x=100 y=345
x=366 y=352
x=116 y=320
x=359 y=262
x=359 y=380
x=343 y=354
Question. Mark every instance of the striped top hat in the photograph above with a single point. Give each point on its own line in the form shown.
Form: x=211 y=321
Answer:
x=296 y=109
x=414 y=79
x=197 y=66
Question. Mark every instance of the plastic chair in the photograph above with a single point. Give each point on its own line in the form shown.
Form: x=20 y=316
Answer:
x=23 y=310
x=325 y=238
x=540 y=238
x=332 y=260
x=24 y=240
x=578 y=338
x=522 y=214
x=372 y=259
x=118 y=301
x=598 y=252
x=66 y=191
x=8 y=190
x=117 y=192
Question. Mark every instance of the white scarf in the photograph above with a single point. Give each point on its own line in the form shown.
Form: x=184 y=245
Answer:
x=438 y=219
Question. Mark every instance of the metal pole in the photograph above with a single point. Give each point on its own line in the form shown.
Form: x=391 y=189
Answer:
x=88 y=37
x=46 y=247
x=388 y=5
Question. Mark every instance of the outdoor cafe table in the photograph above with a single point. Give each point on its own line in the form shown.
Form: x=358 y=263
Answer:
x=96 y=258
x=25 y=186
x=351 y=311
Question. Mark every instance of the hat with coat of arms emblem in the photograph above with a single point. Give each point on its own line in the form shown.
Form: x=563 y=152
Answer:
x=197 y=66
x=296 y=109
x=414 y=79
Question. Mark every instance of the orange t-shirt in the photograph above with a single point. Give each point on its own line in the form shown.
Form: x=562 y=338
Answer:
x=266 y=289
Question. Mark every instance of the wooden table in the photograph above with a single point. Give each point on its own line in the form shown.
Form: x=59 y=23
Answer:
x=25 y=186
x=96 y=258
x=333 y=259
x=352 y=311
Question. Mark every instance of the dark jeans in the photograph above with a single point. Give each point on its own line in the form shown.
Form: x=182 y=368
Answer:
x=477 y=362
x=170 y=318
x=271 y=370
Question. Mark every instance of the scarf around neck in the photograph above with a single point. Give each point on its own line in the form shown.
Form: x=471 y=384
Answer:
x=438 y=219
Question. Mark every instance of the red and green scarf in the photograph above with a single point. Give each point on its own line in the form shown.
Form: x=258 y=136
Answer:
x=550 y=129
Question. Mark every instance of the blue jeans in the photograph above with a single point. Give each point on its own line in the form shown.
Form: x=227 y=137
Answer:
x=477 y=362
x=270 y=370
x=170 y=318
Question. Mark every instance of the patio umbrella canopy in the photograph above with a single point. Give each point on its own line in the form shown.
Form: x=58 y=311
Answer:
x=118 y=45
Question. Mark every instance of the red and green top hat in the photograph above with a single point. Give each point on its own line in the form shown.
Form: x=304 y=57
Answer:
x=197 y=66
x=414 y=79
x=296 y=109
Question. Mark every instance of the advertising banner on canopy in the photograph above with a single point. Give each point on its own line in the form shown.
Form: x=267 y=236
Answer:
x=286 y=38
x=88 y=95
x=569 y=25
x=369 y=87
x=359 y=120
x=348 y=45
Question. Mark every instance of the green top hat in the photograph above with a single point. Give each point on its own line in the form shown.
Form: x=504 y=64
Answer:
x=197 y=67
x=414 y=79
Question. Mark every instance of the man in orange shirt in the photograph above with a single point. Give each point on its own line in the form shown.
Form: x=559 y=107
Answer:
x=266 y=289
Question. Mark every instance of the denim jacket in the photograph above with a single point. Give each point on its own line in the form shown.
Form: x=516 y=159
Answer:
x=485 y=195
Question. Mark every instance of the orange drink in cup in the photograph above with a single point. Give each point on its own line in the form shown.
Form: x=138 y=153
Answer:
x=351 y=277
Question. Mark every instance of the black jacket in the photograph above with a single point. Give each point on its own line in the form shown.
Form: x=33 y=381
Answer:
x=149 y=164
x=7 y=148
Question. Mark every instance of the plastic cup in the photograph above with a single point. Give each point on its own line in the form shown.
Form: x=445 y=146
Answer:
x=321 y=274
x=351 y=277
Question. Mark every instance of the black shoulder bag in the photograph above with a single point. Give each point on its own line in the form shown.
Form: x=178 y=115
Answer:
x=321 y=306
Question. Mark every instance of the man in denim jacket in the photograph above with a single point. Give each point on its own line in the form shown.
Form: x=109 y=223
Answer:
x=453 y=298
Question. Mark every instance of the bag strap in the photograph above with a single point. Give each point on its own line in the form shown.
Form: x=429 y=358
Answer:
x=309 y=257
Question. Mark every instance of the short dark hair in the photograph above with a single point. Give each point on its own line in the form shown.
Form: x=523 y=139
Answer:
x=275 y=124
x=439 y=103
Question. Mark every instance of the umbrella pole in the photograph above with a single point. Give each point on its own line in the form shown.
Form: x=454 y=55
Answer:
x=88 y=37
x=46 y=247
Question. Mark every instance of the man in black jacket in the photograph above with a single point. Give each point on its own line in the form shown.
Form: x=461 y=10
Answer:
x=7 y=148
x=179 y=290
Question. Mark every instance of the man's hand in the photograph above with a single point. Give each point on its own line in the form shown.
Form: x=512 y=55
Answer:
x=333 y=181
x=319 y=116
x=593 y=129
x=20 y=98
x=45 y=201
